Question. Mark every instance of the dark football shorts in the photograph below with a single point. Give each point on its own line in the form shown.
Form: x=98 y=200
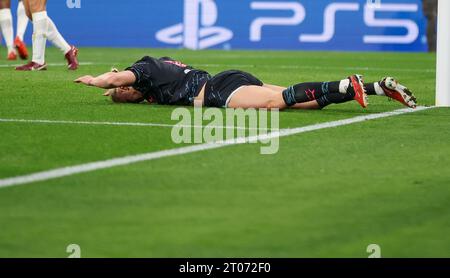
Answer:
x=220 y=89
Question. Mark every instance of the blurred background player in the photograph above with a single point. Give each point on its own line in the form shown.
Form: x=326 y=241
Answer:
x=22 y=23
x=6 y=24
x=43 y=29
x=430 y=12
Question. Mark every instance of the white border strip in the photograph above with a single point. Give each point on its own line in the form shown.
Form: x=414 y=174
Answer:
x=94 y=166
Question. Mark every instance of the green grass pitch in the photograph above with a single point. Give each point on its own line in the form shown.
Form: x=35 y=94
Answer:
x=327 y=193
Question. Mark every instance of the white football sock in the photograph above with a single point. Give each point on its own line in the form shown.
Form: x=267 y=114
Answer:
x=22 y=21
x=55 y=37
x=7 y=28
x=378 y=89
x=343 y=86
x=40 y=27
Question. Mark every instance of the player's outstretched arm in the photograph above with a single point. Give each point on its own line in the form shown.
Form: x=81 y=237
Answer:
x=109 y=80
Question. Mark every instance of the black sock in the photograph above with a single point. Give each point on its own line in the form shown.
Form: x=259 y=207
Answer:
x=370 y=89
x=335 y=98
x=305 y=92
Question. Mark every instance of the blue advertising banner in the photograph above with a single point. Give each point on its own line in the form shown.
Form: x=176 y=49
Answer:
x=363 y=25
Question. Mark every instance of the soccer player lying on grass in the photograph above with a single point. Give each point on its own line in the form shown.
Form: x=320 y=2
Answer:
x=166 y=81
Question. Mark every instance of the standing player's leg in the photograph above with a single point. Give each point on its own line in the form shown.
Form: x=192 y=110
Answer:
x=6 y=24
x=44 y=29
x=35 y=10
x=22 y=22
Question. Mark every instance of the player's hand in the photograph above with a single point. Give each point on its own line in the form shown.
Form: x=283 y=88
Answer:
x=84 y=80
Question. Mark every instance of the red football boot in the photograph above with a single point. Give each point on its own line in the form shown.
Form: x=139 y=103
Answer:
x=71 y=58
x=394 y=90
x=12 y=56
x=32 y=66
x=21 y=48
x=357 y=84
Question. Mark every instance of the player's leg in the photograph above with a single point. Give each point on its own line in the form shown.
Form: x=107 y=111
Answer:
x=274 y=87
x=70 y=52
x=326 y=93
x=332 y=97
x=310 y=95
x=44 y=29
x=388 y=87
x=36 y=11
x=26 y=5
x=310 y=105
x=264 y=97
x=22 y=22
x=391 y=88
x=256 y=97
x=6 y=24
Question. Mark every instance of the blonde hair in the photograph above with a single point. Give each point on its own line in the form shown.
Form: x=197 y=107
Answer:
x=111 y=93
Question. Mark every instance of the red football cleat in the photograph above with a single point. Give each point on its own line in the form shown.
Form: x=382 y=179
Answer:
x=21 y=48
x=71 y=58
x=12 y=56
x=358 y=86
x=32 y=66
x=398 y=92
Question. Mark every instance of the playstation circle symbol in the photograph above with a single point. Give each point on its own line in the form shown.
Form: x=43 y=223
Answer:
x=198 y=30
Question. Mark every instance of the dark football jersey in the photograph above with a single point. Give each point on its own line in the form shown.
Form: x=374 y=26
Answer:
x=168 y=81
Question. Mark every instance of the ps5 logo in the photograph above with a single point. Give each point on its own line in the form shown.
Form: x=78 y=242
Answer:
x=198 y=30
x=371 y=8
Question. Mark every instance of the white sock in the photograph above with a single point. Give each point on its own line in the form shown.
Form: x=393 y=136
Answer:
x=7 y=28
x=55 y=37
x=343 y=86
x=22 y=21
x=40 y=27
x=378 y=89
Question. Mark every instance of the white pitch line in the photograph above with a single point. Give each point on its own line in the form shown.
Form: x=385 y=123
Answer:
x=105 y=164
x=119 y=124
x=50 y=65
